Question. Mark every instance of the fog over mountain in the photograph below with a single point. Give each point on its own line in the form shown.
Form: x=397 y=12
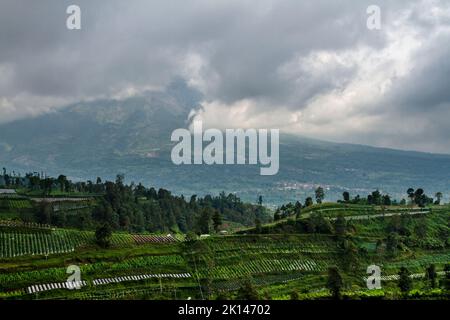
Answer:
x=314 y=70
x=104 y=99
x=132 y=136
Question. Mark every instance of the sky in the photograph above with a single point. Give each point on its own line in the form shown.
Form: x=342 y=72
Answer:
x=306 y=67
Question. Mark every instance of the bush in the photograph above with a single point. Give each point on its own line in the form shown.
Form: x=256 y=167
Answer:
x=103 y=236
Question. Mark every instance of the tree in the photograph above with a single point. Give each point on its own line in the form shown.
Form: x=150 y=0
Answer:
x=443 y=234
x=387 y=200
x=247 y=291
x=298 y=209
x=308 y=202
x=392 y=243
x=62 y=182
x=203 y=221
x=419 y=197
x=223 y=295
x=421 y=229
x=410 y=193
x=103 y=235
x=191 y=237
x=447 y=277
x=349 y=256
x=370 y=199
x=378 y=245
x=340 y=226
x=438 y=196
x=260 y=200
x=120 y=178
x=320 y=195
x=46 y=186
x=335 y=282
x=258 y=225
x=277 y=215
x=294 y=295
x=376 y=197
x=405 y=281
x=206 y=286
x=43 y=212
x=317 y=223
x=217 y=220
x=346 y=196
x=431 y=275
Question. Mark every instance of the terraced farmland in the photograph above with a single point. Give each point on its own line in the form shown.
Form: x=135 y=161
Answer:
x=419 y=263
x=36 y=258
x=79 y=284
x=17 y=204
x=14 y=244
x=142 y=239
x=236 y=257
x=22 y=224
x=20 y=242
x=262 y=266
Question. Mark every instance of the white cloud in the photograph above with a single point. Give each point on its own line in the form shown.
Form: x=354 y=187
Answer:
x=346 y=95
x=307 y=68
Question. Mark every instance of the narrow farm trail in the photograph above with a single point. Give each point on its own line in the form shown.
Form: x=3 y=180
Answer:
x=381 y=215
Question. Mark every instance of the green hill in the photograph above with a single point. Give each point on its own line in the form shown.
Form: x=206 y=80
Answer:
x=34 y=259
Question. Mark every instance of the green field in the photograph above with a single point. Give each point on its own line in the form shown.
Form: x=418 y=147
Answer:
x=34 y=259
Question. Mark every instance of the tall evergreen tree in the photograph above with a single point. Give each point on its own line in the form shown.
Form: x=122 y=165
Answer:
x=217 y=220
x=103 y=235
x=346 y=196
x=340 y=226
x=320 y=194
x=204 y=220
x=247 y=291
x=335 y=282
x=431 y=275
x=308 y=202
x=405 y=281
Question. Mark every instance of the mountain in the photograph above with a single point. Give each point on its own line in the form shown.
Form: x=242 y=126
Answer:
x=132 y=137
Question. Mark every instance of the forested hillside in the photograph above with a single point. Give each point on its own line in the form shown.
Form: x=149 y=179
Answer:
x=134 y=208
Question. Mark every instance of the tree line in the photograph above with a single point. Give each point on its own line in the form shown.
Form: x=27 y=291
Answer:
x=136 y=208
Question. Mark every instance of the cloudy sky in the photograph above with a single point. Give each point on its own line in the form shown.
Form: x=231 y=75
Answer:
x=306 y=67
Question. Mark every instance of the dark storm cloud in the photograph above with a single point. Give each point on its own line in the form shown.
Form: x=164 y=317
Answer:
x=293 y=57
x=429 y=85
x=141 y=42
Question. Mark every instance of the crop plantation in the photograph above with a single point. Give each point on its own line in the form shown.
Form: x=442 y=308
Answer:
x=277 y=258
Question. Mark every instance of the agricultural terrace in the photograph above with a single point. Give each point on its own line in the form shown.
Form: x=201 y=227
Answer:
x=285 y=255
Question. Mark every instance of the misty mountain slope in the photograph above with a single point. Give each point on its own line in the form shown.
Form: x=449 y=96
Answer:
x=132 y=136
x=93 y=131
